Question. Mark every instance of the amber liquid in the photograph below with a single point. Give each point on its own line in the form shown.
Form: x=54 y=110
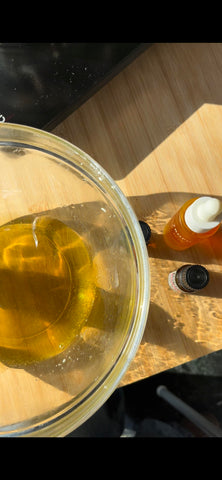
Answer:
x=178 y=236
x=47 y=289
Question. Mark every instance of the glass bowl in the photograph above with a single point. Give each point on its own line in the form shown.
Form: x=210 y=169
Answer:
x=75 y=284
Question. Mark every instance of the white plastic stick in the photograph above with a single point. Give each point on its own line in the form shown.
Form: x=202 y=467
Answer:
x=201 y=422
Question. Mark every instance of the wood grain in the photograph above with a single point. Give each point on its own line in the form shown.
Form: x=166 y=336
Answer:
x=157 y=129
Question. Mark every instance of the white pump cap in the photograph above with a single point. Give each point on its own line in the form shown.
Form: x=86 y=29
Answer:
x=203 y=214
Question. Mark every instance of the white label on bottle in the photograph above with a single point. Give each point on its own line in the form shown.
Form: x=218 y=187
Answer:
x=172 y=282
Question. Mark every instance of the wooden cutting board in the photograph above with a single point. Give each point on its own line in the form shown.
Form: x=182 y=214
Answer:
x=157 y=129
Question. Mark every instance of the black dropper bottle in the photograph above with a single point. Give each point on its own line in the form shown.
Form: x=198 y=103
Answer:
x=146 y=231
x=189 y=278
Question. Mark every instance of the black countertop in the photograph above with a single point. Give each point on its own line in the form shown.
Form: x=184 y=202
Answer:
x=42 y=83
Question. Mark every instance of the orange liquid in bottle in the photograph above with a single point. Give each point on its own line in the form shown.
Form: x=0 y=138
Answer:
x=177 y=234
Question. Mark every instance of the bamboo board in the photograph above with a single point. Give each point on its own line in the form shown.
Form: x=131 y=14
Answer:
x=157 y=129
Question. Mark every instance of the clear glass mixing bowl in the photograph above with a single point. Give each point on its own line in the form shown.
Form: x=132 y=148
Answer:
x=75 y=284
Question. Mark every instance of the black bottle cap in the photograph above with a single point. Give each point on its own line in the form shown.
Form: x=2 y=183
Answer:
x=146 y=230
x=197 y=277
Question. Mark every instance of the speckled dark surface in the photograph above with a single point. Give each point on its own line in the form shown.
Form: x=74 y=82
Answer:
x=42 y=83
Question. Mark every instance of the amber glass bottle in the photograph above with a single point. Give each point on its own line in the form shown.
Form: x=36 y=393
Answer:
x=198 y=219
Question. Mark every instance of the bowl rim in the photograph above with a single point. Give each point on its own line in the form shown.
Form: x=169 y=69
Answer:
x=66 y=422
